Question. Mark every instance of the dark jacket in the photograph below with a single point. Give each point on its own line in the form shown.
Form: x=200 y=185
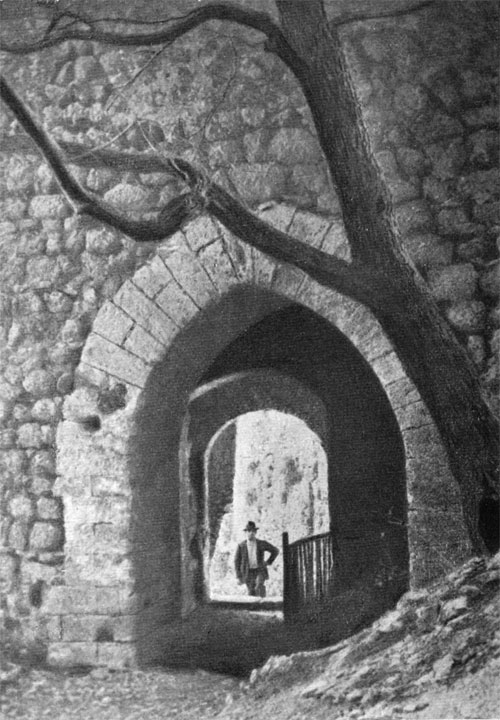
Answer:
x=241 y=559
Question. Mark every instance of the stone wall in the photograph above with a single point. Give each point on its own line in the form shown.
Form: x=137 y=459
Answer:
x=427 y=85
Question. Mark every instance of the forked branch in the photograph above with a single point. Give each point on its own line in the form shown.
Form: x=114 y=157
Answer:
x=83 y=27
x=202 y=195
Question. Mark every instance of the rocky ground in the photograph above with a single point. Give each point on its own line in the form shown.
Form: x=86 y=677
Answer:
x=436 y=655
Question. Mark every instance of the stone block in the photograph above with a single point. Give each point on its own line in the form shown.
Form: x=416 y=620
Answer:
x=13 y=463
x=102 y=241
x=29 y=435
x=217 y=263
x=21 y=507
x=489 y=281
x=428 y=250
x=45 y=536
x=335 y=241
x=258 y=182
x=120 y=363
x=424 y=436
x=40 y=383
x=8 y=436
x=49 y=206
x=241 y=255
x=8 y=572
x=287 y=279
x=413 y=217
x=46 y=410
x=187 y=270
x=43 y=463
x=53 y=628
x=176 y=303
x=112 y=323
x=402 y=392
x=454 y=222
x=87 y=628
x=201 y=232
x=468 y=316
x=130 y=197
x=18 y=536
x=144 y=345
x=145 y=312
x=388 y=368
x=68 y=654
x=294 y=146
x=114 y=509
x=49 y=509
x=455 y=282
x=152 y=277
x=117 y=655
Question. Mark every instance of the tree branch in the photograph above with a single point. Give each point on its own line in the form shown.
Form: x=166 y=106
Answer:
x=88 y=203
x=350 y=17
x=349 y=279
x=217 y=11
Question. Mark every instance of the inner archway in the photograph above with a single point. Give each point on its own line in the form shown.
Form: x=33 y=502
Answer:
x=274 y=471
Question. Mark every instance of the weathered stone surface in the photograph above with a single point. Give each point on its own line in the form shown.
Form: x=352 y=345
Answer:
x=489 y=281
x=18 y=536
x=294 y=145
x=68 y=654
x=21 y=507
x=258 y=182
x=49 y=206
x=45 y=536
x=413 y=217
x=45 y=410
x=129 y=197
x=428 y=250
x=40 y=383
x=49 y=509
x=467 y=316
x=113 y=323
x=145 y=312
x=455 y=282
x=29 y=435
x=103 y=241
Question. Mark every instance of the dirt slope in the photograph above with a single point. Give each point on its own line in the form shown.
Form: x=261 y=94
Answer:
x=436 y=655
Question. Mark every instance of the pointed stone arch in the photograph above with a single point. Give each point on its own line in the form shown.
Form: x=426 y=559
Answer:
x=118 y=463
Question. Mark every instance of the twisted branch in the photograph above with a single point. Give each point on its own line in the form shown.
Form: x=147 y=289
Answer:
x=202 y=195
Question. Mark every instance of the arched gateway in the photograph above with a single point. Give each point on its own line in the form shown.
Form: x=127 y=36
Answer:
x=180 y=322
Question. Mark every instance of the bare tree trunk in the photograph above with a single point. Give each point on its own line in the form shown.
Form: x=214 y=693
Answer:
x=427 y=347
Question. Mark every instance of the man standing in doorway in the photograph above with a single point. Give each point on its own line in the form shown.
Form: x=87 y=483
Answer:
x=249 y=562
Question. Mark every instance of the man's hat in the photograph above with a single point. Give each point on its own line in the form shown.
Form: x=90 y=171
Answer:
x=251 y=526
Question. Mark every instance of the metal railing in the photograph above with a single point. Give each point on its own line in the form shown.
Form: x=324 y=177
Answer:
x=308 y=575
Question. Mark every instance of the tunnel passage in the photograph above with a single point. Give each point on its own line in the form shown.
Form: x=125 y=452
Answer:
x=270 y=468
x=213 y=408
x=367 y=495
